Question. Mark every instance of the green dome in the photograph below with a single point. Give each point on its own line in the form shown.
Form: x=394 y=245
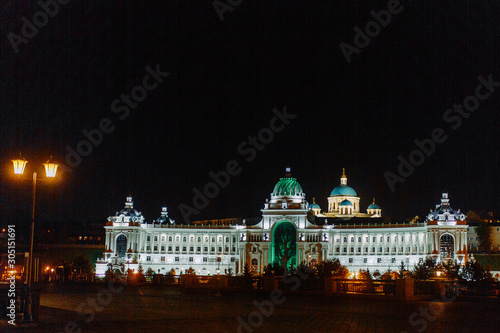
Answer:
x=374 y=206
x=287 y=186
x=345 y=203
x=343 y=190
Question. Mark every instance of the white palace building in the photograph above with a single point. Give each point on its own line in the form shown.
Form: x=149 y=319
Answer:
x=359 y=240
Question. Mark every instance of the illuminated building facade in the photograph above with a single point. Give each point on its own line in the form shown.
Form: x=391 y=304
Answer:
x=290 y=232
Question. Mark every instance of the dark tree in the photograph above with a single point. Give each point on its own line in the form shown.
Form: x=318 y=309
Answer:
x=190 y=271
x=473 y=271
x=332 y=268
x=484 y=233
x=403 y=272
x=274 y=270
x=425 y=269
x=365 y=275
x=450 y=269
x=81 y=265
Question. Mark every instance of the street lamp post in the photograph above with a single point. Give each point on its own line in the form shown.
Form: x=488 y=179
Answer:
x=50 y=172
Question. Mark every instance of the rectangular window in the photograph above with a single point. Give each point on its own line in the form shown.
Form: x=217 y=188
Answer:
x=212 y=249
x=198 y=249
x=359 y=239
x=162 y=258
x=393 y=260
x=227 y=249
x=232 y=259
x=345 y=239
x=205 y=259
x=379 y=260
x=169 y=249
x=176 y=249
x=190 y=259
x=156 y=248
x=365 y=260
x=183 y=249
x=163 y=248
x=191 y=249
x=345 y=249
x=176 y=258
x=148 y=258
x=374 y=239
x=205 y=249
x=350 y=260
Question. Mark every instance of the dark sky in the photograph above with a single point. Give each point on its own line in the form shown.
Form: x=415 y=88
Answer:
x=225 y=79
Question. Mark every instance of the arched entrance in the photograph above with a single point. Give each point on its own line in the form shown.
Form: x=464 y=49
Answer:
x=447 y=247
x=121 y=245
x=284 y=248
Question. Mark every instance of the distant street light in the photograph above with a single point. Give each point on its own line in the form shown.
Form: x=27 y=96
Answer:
x=50 y=172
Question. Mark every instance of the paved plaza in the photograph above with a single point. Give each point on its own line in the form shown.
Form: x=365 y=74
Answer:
x=150 y=308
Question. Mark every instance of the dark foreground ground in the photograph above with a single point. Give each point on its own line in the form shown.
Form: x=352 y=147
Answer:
x=163 y=309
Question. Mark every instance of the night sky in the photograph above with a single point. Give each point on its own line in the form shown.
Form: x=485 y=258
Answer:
x=225 y=78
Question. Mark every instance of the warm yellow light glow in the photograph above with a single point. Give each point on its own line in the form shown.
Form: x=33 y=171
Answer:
x=50 y=169
x=51 y=269
x=19 y=165
x=47 y=268
x=438 y=273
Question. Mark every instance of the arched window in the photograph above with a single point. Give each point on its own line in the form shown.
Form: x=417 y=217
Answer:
x=121 y=245
x=447 y=247
x=148 y=239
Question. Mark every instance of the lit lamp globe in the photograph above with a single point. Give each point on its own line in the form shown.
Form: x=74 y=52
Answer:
x=19 y=165
x=50 y=169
